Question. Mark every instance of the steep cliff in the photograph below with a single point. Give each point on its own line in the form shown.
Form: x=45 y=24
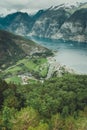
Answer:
x=75 y=27
x=50 y=22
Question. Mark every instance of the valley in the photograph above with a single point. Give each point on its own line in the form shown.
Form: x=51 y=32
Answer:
x=23 y=61
x=43 y=66
x=72 y=55
x=21 y=57
x=31 y=70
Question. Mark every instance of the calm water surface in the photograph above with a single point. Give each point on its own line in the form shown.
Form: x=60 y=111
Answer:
x=71 y=54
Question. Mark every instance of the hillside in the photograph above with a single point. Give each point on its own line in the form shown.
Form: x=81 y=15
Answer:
x=60 y=22
x=49 y=23
x=14 y=48
x=75 y=28
x=23 y=61
x=18 y=22
x=10 y=51
x=59 y=103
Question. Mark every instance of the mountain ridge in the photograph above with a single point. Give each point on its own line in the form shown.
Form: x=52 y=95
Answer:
x=59 y=22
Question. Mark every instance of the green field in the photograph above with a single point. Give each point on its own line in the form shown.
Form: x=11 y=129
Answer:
x=14 y=79
x=37 y=66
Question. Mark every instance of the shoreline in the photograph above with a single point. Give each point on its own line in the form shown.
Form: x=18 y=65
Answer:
x=55 y=66
x=68 y=66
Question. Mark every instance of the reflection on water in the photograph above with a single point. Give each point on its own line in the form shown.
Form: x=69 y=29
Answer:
x=71 y=54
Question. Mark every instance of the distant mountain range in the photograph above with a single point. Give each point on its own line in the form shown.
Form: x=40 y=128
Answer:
x=60 y=22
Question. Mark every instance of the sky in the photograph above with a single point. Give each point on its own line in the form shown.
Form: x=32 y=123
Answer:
x=30 y=6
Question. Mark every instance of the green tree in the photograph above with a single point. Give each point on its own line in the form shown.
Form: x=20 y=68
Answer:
x=25 y=118
x=6 y=117
x=65 y=112
x=56 y=122
x=41 y=126
x=70 y=123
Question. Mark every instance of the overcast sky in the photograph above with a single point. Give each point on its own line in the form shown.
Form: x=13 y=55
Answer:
x=31 y=5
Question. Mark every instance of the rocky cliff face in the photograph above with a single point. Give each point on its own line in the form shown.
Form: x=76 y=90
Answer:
x=49 y=23
x=75 y=27
x=61 y=22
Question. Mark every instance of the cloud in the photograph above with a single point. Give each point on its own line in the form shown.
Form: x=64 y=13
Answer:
x=17 y=4
x=32 y=5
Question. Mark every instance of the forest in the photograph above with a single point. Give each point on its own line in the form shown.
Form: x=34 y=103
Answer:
x=59 y=103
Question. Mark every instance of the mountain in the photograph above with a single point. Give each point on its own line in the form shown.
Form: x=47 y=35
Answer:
x=75 y=27
x=19 y=23
x=66 y=22
x=63 y=22
x=49 y=22
x=14 y=48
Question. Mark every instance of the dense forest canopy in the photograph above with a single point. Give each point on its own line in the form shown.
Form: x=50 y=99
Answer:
x=59 y=103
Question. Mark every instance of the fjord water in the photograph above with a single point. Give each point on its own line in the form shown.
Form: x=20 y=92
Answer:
x=71 y=54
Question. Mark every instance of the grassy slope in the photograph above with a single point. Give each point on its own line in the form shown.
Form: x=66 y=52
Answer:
x=38 y=67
